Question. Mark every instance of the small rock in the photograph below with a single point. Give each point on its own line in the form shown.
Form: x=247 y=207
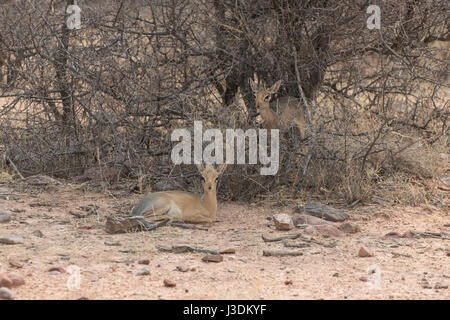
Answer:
x=228 y=250
x=363 y=279
x=144 y=261
x=182 y=268
x=56 y=270
x=392 y=234
x=324 y=229
x=283 y=222
x=323 y=211
x=11 y=280
x=5 y=281
x=14 y=263
x=38 y=233
x=288 y=282
x=299 y=219
x=10 y=239
x=336 y=274
x=410 y=234
x=4 y=217
x=41 y=180
x=142 y=272
x=212 y=258
x=349 y=227
x=17 y=279
x=112 y=244
x=6 y=294
x=88 y=227
x=364 y=252
x=169 y=283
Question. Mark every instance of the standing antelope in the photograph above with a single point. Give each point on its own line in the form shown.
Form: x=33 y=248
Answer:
x=287 y=109
x=183 y=206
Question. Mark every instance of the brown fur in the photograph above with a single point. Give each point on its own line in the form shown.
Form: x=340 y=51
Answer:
x=281 y=113
x=183 y=206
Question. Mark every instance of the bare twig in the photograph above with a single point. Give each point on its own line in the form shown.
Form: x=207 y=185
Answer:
x=180 y=248
x=289 y=236
x=281 y=253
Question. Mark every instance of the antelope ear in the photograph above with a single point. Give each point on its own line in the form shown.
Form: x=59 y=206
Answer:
x=222 y=168
x=275 y=87
x=253 y=85
x=200 y=168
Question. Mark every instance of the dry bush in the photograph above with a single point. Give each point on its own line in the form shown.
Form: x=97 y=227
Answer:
x=110 y=94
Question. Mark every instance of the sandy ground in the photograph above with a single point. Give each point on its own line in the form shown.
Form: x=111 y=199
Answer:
x=405 y=268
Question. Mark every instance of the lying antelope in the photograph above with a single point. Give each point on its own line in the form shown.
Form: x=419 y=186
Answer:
x=183 y=206
x=287 y=109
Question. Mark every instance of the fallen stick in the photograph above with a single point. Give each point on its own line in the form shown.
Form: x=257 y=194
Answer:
x=186 y=226
x=301 y=238
x=432 y=235
x=180 y=248
x=396 y=255
x=289 y=236
x=127 y=224
x=296 y=244
x=326 y=245
x=15 y=168
x=281 y=253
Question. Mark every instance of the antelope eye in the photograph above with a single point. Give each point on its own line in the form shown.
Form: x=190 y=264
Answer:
x=203 y=178
x=216 y=179
x=266 y=98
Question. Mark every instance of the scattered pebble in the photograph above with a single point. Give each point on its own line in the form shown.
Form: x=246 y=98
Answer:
x=349 y=227
x=392 y=234
x=142 y=272
x=364 y=252
x=6 y=294
x=112 y=244
x=169 y=283
x=38 y=233
x=288 y=282
x=144 y=261
x=300 y=219
x=11 y=280
x=56 y=270
x=89 y=227
x=363 y=279
x=11 y=239
x=228 y=250
x=283 y=222
x=324 y=229
x=182 y=268
x=4 y=217
x=14 y=263
x=5 y=281
x=212 y=258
